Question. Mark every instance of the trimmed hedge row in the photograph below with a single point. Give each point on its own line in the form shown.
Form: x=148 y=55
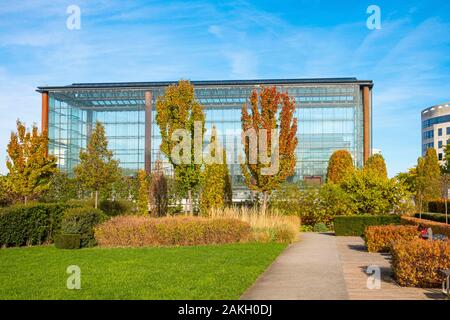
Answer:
x=30 y=224
x=380 y=238
x=437 y=227
x=356 y=225
x=138 y=231
x=437 y=205
x=417 y=262
x=67 y=241
x=438 y=217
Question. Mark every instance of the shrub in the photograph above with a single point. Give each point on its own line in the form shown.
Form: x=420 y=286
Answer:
x=438 y=217
x=67 y=241
x=437 y=227
x=269 y=227
x=417 y=262
x=438 y=206
x=356 y=225
x=320 y=227
x=82 y=221
x=116 y=207
x=380 y=238
x=137 y=231
x=30 y=224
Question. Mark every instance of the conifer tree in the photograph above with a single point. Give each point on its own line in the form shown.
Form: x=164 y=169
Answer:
x=376 y=165
x=339 y=166
x=159 y=197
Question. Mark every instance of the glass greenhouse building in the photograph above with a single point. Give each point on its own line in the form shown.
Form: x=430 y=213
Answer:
x=332 y=113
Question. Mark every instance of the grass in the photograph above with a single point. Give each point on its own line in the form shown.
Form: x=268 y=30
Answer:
x=269 y=227
x=202 y=272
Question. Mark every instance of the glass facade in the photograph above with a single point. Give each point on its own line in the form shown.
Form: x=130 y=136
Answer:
x=330 y=117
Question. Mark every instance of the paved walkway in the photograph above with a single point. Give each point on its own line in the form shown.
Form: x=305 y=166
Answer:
x=307 y=269
x=322 y=266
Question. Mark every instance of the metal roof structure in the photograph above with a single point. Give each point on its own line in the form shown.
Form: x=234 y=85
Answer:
x=143 y=85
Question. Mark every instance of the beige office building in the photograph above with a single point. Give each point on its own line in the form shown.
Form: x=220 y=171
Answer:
x=436 y=128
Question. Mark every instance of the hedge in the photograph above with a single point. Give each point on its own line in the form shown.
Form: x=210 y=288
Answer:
x=30 y=224
x=138 y=231
x=67 y=241
x=380 y=238
x=417 y=262
x=356 y=225
x=437 y=227
x=116 y=207
x=82 y=221
x=438 y=217
x=438 y=205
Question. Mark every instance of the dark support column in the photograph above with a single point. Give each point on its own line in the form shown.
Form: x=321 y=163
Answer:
x=148 y=132
x=44 y=116
x=366 y=95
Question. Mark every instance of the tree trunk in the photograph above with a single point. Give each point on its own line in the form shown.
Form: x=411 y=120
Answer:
x=264 y=204
x=96 y=199
x=25 y=199
x=446 y=213
x=191 y=211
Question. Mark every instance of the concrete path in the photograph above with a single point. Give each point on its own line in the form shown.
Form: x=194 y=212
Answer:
x=307 y=269
x=321 y=266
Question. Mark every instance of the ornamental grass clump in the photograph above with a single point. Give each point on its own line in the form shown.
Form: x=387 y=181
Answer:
x=269 y=227
x=140 y=231
x=380 y=238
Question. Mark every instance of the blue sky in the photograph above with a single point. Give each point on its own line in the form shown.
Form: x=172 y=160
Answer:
x=408 y=59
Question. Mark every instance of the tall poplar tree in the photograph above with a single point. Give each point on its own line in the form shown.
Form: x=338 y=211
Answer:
x=265 y=119
x=432 y=176
x=159 y=198
x=97 y=169
x=177 y=114
x=30 y=168
x=216 y=189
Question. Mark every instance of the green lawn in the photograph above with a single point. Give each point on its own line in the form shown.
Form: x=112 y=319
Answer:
x=204 y=272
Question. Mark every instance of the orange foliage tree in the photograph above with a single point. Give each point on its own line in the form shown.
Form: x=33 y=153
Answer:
x=263 y=123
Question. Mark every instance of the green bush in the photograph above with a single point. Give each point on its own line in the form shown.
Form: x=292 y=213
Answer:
x=320 y=227
x=30 y=224
x=438 y=206
x=67 y=241
x=438 y=217
x=356 y=225
x=82 y=221
x=116 y=207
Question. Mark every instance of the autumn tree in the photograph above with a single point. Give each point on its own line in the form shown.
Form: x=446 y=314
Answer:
x=269 y=143
x=181 y=122
x=216 y=186
x=432 y=176
x=159 y=198
x=339 y=166
x=97 y=169
x=30 y=167
x=144 y=192
x=376 y=165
